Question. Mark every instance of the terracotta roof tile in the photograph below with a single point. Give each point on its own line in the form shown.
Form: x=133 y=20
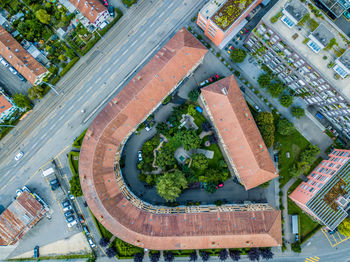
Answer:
x=112 y=127
x=89 y=8
x=19 y=58
x=4 y=104
x=237 y=128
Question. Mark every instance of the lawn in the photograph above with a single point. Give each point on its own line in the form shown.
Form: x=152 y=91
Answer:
x=294 y=144
x=213 y=163
x=73 y=159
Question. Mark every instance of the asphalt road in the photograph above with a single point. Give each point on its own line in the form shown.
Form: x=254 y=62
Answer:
x=57 y=120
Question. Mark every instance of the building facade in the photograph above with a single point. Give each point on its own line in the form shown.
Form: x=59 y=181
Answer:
x=303 y=59
x=93 y=10
x=222 y=19
x=325 y=195
x=20 y=59
x=7 y=106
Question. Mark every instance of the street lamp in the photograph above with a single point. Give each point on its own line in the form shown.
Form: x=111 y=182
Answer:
x=52 y=87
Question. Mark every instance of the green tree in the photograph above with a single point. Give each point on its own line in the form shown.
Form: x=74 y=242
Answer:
x=75 y=187
x=162 y=128
x=170 y=185
x=296 y=247
x=264 y=80
x=62 y=57
x=297 y=111
x=43 y=16
x=286 y=100
x=344 y=227
x=36 y=92
x=188 y=138
x=264 y=121
x=238 y=55
x=309 y=154
x=284 y=127
x=193 y=95
x=199 y=161
x=275 y=89
x=165 y=157
x=22 y=101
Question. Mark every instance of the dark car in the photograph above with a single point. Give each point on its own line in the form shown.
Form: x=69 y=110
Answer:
x=54 y=184
x=275 y=157
x=86 y=230
x=36 y=251
x=111 y=10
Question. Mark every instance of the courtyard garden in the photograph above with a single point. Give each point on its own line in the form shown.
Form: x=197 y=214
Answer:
x=183 y=154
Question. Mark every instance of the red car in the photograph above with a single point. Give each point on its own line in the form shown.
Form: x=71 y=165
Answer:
x=105 y=2
x=213 y=78
x=220 y=185
x=231 y=47
x=81 y=219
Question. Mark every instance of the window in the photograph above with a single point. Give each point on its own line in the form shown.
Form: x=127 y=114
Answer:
x=311 y=189
x=287 y=21
x=331 y=164
x=321 y=170
x=313 y=174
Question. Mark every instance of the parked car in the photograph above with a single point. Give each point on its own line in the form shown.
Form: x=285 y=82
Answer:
x=105 y=2
x=36 y=252
x=71 y=197
x=81 y=219
x=204 y=83
x=257 y=108
x=86 y=230
x=91 y=242
x=68 y=213
x=71 y=221
x=66 y=206
x=4 y=62
x=275 y=157
x=19 y=155
x=139 y=155
x=12 y=70
x=21 y=77
x=54 y=184
x=111 y=10
x=148 y=128
x=213 y=78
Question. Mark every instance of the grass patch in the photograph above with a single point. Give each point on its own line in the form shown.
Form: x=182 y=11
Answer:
x=199 y=119
x=79 y=140
x=73 y=159
x=73 y=256
x=69 y=66
x=294 y=144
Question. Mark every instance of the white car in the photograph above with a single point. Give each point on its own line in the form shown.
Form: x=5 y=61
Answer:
x=12 y=70
x=91 y=242
x=4 y=62
x=71 y=221
x=19 y=155
x=139 y=155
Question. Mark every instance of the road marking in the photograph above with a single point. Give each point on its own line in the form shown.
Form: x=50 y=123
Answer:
x=311 y=259
x=12 y=178
x=34 y=145
x=98 y=79
x=116 y=61
x=59 y=204
x=317 y=257
x=143 y=33
x=71 y=107
x=124 y=52
x=61 y=117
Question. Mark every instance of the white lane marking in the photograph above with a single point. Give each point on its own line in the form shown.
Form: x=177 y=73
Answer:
x=70 y=108
x=124 y=52
x=143 y=33
x=61 y=117
x=34 y=145
x=116 y=61
x=98 y=79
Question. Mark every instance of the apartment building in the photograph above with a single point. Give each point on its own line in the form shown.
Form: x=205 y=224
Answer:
x=300 y=49
x=333 y=8
x=20 y=59
x=222 y=19
x=93 y=10
x=6 y=107
x=325 y=195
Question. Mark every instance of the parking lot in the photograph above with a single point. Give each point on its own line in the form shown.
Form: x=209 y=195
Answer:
x=11 y=83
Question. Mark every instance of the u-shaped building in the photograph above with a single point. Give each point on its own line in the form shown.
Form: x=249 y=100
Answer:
x=159 y=227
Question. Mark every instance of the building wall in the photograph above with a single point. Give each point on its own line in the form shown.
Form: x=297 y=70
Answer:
x=215 y=33
x=318 y=178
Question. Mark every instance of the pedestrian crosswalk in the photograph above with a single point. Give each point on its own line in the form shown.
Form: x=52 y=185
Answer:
x=312 y=259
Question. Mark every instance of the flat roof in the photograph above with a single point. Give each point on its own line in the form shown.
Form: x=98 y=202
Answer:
x=296 y=9
x=345 y=59
x=235 y=124
x=322 y=34
x=209 y=9
x=228 y=13
x=127 y=216
x=337 y=7
x=313 y=59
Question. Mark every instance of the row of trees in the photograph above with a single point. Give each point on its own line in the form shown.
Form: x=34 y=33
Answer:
x=254 y=254
x=265 y=123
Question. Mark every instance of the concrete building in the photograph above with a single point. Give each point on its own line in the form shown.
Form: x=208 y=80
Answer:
x=131 y=218
x=335 y=8
x=238 y=134
x=20 y=59
x=222 y=19
x=325 y=195
x=297 y=53
x=93 y=10
x=20 y=217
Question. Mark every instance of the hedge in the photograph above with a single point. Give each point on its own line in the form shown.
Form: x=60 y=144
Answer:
x=55 y=80
x=115 y=20
x=90 y=44
x=129 y=3
x=69 y=66
x=79 y=140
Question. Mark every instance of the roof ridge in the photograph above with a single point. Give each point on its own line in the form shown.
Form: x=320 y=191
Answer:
x=276 y=223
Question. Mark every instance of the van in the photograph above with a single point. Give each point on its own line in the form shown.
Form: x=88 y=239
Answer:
x=4 y=62
x=48 y=172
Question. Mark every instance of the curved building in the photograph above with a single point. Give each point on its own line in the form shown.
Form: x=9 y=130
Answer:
x=159 y=227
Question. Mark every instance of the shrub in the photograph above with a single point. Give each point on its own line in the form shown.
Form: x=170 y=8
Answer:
x=223 y=255
x=69 y=66
x=104 y=242
x=238 y=55
x=168 y=256
x=193 y=95
x=254 y=254
x=297 y=111
x=167 y=100
x=138 y=257
x=235 y=254
x=237 y=73
x=296 y=247
x=111 y=252
x=286 y=100
x=273 y=19
x=265 y=123
x=193 y=256
x=204 y=255
x=22 y=101
x=218 y=202
x=266 y=253
x=154 y=256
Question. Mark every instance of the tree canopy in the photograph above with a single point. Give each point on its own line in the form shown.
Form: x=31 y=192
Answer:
x=238 y=55
x=43 y=16
x=264 y=120
x=188 y=138
x=297 y=111
x=193 y=95
x=344 y=227
x=170 y=185
x=275 y=89
x=199 y=161
x=165 y=156
x=22 y=101
x=286 y=100
x=264 y=80
x=284 y=127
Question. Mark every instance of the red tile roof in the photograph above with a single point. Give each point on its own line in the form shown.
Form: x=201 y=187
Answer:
x=19 y=217
x=103 y=190
x=19 y=58
x=89 y=8
x=236 y=126
x=4 y=104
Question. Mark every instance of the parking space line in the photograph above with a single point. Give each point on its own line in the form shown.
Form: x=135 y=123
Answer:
x=339 y=236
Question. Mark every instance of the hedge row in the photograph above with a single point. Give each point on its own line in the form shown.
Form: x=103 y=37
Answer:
x=69 y=66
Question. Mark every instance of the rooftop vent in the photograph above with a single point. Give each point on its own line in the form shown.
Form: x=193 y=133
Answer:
x=16 y=50
x=224 y=91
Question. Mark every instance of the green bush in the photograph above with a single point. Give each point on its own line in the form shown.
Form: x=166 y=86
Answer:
x=125 y=249
x=79 y=140
x=296 y=247
x=129 y=3
x=55 y=80
x=69 y=66
x=273 y=19
x=167 y=100
x=74 y=183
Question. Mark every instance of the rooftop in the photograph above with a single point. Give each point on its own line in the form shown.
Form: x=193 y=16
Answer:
x=19 y=217
x=323 y=35
x=4 y=104
x=89 y=8
x=313 y=59
x=239 y=132
x=125 y=215
x=345 y=59
x=19 y=58
x=296 y=9
x=337 y=7
x=229 y=12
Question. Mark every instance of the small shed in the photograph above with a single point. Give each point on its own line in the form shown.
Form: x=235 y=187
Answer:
x=295 y=224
